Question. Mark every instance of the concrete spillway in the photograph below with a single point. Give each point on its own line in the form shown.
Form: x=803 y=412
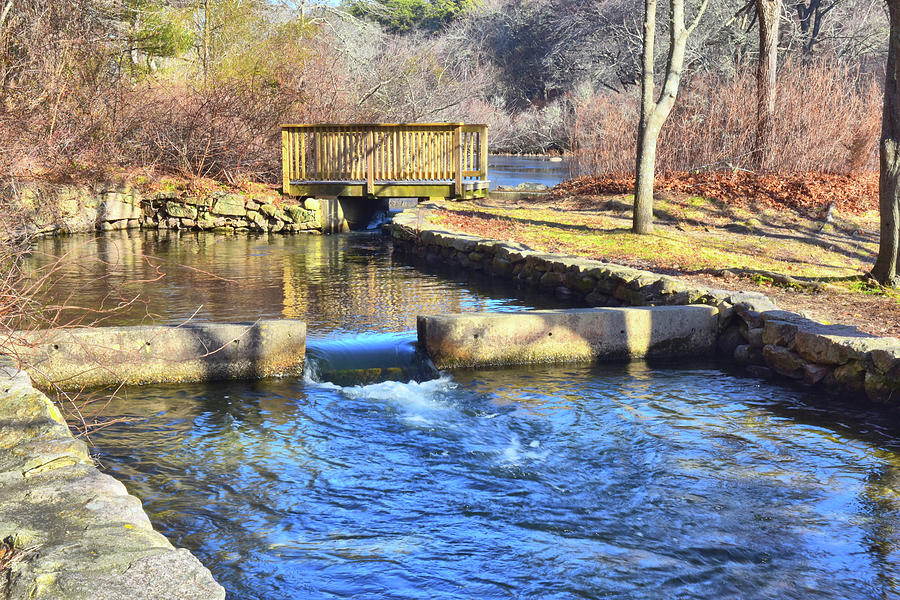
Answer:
x=576 y=335
x=79 y=358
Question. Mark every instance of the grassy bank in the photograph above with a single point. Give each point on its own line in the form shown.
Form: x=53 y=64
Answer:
x=812 y=256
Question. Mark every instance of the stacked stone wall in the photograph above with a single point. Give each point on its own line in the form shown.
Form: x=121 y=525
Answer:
x=752 y=330
x=81 y=209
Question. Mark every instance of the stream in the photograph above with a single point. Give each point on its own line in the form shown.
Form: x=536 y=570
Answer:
x=626 y=480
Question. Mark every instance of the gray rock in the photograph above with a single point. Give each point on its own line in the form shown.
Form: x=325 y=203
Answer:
x=204 y=201
x=886 y=360
x=501 y=267
x=882 y=388
x=729 y=340
x=779 y=333
x=755 y=337
x=851 y=375
x=783 y=361
x=90 y=539
x=835 y=345
x=528 y=186
x=814 y=373
x=228 y=205
x=182 y=211
x=745 y=354
x=115 y=207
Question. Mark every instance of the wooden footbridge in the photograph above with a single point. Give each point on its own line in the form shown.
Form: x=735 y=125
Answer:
x=412 y=160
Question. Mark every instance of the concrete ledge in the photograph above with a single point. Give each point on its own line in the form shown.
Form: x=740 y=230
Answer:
x=767 y=341
x=100 y=356
x=75 y=532
x=558 y=336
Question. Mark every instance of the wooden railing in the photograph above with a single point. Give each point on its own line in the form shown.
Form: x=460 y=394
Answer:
x=401 y=153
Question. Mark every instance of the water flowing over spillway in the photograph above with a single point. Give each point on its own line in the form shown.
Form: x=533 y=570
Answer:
x=375 y=477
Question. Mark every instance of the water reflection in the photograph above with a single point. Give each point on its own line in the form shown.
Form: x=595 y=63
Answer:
x=334 y=283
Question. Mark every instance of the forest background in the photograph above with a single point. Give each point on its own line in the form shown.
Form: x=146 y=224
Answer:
x=200 y=87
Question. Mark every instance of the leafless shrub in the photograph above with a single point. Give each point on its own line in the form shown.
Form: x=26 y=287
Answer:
x=827 y=119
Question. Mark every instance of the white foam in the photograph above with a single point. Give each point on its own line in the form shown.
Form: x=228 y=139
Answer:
x=425 y=394
x=515 y=454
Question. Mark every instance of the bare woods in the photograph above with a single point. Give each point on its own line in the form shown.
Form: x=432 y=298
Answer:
x=199 y=87
x=827 y=119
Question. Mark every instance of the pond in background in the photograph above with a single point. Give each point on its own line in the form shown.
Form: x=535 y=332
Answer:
x=620 y=480
x=510 y=171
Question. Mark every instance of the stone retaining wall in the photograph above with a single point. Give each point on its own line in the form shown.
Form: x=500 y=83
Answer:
x=73 y=532
x=104 y=207
x=768 y=341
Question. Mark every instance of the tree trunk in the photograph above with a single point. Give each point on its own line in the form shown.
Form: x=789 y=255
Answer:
x=645 y=163
x=768 y=13
x=885 y=269
x=654 y=114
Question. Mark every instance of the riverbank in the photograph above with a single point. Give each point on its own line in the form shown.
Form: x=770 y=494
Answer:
x=753 y=330
x=47 y=208
x=810 y=260
x=69 y=531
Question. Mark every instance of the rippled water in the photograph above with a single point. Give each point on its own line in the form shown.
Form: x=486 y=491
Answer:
x=510 y=171
x=621 y=480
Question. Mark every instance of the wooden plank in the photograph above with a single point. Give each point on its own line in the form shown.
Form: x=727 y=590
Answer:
x=483 y=167
x=285 y=162
x=301 y=143
x=370 y=162
x=457 y=161
x=318 y=141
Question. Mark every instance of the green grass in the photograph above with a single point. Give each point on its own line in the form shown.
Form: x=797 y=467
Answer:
x=692 y=235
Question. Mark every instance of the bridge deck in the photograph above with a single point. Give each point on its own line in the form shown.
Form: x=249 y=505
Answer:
x=446 y=160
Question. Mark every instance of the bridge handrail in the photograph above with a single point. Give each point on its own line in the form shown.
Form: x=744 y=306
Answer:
x=383 y=152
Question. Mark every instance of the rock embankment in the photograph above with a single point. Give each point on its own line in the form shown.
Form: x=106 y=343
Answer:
x=751 y=329
x=68 y=531
x=104 y=207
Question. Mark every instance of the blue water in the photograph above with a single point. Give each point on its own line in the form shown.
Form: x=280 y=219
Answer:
x=510 y=171
x=621 y=480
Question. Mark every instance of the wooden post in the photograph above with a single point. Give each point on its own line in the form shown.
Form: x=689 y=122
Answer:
x=285 y=162
x=457 y=161
x=370 y=162
x=484 y=153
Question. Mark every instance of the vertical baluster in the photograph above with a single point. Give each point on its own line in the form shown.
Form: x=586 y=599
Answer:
x=285 y=170
x=342 y=150
x=401 y=171
x=360 y=155
x=380 y=141
x=302 y=139
x=432 y=157
x=424 y=135
x=483 y=167
x=457 y=161
x=446 y=150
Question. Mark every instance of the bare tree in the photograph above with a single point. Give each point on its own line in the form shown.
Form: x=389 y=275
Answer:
x=885 y=269
x=655 y=113
x=768 y=13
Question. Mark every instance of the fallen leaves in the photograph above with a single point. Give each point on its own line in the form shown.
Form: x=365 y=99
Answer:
x=852 y=194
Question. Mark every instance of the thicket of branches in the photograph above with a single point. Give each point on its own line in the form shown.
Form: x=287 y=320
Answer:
x=199 y=87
